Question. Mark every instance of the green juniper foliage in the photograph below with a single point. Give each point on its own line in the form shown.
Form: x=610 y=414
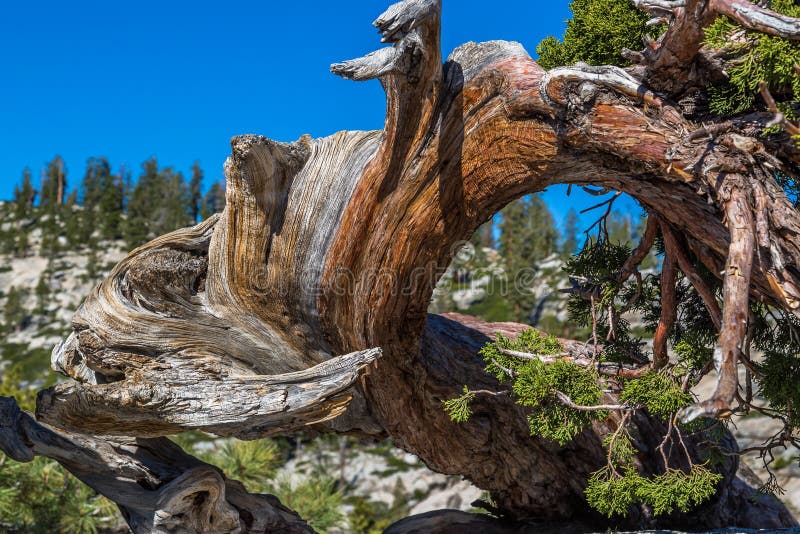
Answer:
x=597 y=32
x=598 y=294
x=754 y=57
x=612 y=493
x=658 y=392
x=536 y=387
x=458 y=408
x=535 y=384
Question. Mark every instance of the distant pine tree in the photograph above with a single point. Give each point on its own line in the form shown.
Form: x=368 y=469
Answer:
x=527 y=236
x=111 y=205
x=54 y=183
x=160 y=203
x=14 y=312
x=213 y=200
x=42 y=292
x=570 y=244
x=71 y=218
x=24 y=197
x=16 y=240
x=176 y=209
x=143 y=201
x=103 y=200
x=92 y=268
x=195 y=191
x=621 y=228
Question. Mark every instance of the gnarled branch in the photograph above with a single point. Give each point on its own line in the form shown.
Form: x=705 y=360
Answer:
x=158 y=487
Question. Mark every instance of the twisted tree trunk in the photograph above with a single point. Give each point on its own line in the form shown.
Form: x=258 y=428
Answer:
x=333 y=246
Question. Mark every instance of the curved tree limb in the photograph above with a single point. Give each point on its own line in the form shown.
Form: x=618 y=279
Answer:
x=672 y=62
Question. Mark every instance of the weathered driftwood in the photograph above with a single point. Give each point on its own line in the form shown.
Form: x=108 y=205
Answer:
x=332 y=246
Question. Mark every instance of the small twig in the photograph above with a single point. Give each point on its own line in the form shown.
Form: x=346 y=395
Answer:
x=780 y=118
x=601 y=221
x=667 y=437
x=612 y=334
x=549 y=358
x=683 y=445
x=620 y=427
x=510 y=372
x=566 y=401
x=488 y=392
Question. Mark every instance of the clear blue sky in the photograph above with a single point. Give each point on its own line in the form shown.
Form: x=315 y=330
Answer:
x=176 y=79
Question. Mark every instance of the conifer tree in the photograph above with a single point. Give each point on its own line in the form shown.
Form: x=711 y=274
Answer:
x=54 y=183
x=570 y=241
x=620 y=227
x=24 y=197
x=91 y=189
x=160 y=203
x=213 y=200
x=16 y=241
x=103 y=199
x=72 y=219
x=111 y=204
x=144 y=199
x=528 y=235
x=175 y=208
x=42 y=294
x=195 y=191
x=14 y=310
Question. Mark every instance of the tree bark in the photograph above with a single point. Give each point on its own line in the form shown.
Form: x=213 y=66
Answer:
x=333 y=246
